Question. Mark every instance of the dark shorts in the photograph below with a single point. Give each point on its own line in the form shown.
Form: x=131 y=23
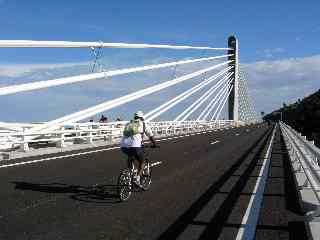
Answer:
x=134 y=153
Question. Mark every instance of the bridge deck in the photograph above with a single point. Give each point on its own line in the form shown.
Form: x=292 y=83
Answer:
x=199 y=191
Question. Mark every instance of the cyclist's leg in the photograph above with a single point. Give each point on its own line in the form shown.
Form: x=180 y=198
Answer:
x=139 y=155
x=130 y=154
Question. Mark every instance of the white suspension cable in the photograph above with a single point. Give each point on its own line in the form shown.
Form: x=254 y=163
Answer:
x=204 y=114
x=169 y=104
x=124 y=99
x=93 y=76
x=198 y=105
x=195 y=105
x=67 y=44
x=211 y=105
x=220 y=102
x=224 y=102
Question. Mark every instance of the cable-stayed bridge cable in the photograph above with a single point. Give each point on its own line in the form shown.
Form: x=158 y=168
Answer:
x=224 y=96
x=74 y=117
x=208 y=109
x=187 y=112
x=93 y=76
x=224 y=102
x=67 y=44
x=169 y=104
x=219 y=98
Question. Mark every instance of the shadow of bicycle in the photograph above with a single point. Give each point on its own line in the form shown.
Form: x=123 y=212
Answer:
x=99 y=193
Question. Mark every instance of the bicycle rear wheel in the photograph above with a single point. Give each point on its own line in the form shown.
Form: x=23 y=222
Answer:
x=146 y=176
x=124 y=185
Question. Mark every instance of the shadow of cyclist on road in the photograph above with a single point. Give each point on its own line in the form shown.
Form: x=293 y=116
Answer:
x=92 y=194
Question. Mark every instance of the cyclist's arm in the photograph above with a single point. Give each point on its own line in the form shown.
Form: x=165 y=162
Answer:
x=149 y=133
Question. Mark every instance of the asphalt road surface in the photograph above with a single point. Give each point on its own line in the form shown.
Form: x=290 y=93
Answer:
x=197 y=192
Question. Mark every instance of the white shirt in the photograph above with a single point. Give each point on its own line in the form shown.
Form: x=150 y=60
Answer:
x=136 y=140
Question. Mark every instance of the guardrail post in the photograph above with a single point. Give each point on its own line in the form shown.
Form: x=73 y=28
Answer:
x=24 y=146
x=61 y=142
x=111 y=136
x=89 y=138
x=78 y=134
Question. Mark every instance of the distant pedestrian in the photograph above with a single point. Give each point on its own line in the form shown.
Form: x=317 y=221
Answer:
x=118 y=120
x=103 y=119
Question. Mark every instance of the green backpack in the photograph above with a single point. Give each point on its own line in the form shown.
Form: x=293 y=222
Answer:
x=132 y=128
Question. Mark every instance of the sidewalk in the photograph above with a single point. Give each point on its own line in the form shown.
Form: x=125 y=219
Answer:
x=280 y=215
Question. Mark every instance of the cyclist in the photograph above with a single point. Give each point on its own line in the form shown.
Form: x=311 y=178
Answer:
x=132 y=140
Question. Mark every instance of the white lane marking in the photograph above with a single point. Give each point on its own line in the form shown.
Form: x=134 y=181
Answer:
x=181 y=136
x=155 y=163
x=251 y=217
x=58 y=157
x=237 y=134
x=214 y=142
x=188 y=135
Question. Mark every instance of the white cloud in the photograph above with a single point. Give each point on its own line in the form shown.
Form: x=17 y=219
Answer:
x=18 y=70
x=275 y=82
x=270 y=52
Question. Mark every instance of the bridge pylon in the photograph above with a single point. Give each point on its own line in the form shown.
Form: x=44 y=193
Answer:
x=233 y=101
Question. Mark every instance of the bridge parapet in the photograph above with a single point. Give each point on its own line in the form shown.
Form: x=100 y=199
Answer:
x=92 y=133
x=305 y=156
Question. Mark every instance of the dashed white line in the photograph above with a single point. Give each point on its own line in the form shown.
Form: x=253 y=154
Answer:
x=156 y=163
x=214 y=142
x=58 y=157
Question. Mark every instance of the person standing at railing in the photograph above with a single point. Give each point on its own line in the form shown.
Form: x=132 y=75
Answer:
x=131 y=143
x=103 y=119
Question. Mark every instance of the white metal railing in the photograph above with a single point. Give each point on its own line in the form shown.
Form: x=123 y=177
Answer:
x=89 y=132
x=306 y=155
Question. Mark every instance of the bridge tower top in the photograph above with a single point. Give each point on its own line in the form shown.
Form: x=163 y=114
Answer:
x=234 y=95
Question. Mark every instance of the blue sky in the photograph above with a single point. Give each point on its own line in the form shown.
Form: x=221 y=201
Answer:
x=271 y=33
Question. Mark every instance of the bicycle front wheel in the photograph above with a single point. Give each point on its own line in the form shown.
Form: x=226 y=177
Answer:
x=124 y=185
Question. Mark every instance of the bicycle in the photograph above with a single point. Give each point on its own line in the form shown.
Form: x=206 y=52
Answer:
x=126 y=183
